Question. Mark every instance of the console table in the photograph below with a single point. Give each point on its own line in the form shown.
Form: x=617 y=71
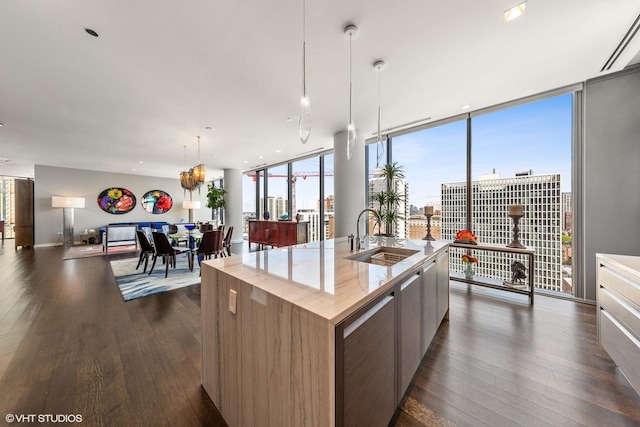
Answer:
x=278 y=233
x=496 y=283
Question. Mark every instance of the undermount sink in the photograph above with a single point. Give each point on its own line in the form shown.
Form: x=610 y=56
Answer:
x=383 y=255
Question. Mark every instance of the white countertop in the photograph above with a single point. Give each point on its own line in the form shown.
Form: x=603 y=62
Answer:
x=318 y=277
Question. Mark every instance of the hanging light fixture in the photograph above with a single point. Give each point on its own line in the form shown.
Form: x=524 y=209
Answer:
x=351 y=31
x=199 y=171
x=379 y=66
x=185 y=177
x=193 y=178
x=304 y=124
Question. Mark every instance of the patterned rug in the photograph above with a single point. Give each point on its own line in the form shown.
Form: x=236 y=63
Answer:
x=135 y=284
x=86 y=251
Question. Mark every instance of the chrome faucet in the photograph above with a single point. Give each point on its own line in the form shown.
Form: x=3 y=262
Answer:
x=358 y=241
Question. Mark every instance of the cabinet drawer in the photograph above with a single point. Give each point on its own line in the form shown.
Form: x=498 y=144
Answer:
x=627 y=287
x=624 y=312
x=369 y=367
x=623 y=348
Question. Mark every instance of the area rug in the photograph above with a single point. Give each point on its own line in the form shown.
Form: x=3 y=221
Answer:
x=86 y=251
x=136 y=284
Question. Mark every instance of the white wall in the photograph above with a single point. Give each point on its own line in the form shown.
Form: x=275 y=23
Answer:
x=611 y=170
x=52 y=181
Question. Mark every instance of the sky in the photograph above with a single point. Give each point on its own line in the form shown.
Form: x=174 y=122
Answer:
x=535 y=136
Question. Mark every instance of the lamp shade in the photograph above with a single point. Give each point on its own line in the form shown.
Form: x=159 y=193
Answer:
x=67 y=202
x=188 y=204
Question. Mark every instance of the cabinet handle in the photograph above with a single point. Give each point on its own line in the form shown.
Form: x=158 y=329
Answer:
x=368 y=315
x=428 y=267
x=410 y=281
x=443 y=255
x=621 y=328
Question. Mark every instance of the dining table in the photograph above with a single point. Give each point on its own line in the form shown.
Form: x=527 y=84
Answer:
x=190 y=237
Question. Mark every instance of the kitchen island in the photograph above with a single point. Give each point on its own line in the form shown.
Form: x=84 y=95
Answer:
x=316 y=335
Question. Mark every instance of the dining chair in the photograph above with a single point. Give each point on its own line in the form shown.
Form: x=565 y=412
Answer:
x=206 y=227
x=146 y=250
x=226 y=244
x=210 y=245
x=168 y=252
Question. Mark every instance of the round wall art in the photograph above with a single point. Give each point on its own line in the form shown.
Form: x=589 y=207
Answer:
x=116 y=200
x=156 y=202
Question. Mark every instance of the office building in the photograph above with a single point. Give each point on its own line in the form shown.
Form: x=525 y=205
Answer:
x=539 y=227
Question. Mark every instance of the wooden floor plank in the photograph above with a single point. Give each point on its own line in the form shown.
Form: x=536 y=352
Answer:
x=70 y=344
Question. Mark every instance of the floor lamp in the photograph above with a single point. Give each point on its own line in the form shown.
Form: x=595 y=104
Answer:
x=67 y=204
x=191 y=205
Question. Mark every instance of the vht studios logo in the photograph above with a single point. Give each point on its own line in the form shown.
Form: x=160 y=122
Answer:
x=43 y=418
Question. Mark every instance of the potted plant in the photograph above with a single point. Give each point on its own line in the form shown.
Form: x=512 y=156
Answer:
x=388 y=201
x=215 y=197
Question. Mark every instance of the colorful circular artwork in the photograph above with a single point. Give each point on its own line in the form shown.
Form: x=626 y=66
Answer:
x=117 y=200
x=156 y=202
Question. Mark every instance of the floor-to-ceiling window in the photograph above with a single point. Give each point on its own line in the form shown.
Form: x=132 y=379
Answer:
x=305 y=190
x=278 y=197
x=521 y=155
x=303 y=187
x=433 y=159
x=249 y=199
x=327 y=198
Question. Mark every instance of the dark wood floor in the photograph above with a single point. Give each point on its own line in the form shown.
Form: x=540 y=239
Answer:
x=69 y=344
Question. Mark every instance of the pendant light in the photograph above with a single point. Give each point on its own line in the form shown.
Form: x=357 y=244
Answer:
x=304 y=124
x=379 y=66
x=199 y=171
x=350 y=32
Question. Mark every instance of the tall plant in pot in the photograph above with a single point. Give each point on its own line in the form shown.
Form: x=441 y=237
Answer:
x=215 y=199
x=388 y=201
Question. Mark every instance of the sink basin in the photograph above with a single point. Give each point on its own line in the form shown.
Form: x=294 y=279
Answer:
x=383 y=255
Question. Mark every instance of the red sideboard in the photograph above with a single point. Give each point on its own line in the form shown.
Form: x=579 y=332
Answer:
x=278 y=233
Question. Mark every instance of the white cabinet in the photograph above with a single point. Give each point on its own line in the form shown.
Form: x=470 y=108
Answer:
x=619 y=312
x=442 y=287
x=429 y=303
x=410 y=331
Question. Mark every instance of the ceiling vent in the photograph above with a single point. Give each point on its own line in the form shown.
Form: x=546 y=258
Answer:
x=624 y=43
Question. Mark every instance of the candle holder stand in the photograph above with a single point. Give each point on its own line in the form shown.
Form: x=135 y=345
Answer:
x=516 y=232
x=428 y=236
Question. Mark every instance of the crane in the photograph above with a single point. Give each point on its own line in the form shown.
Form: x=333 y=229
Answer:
x=294 y=177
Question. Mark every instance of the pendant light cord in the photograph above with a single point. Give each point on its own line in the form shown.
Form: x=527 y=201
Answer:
x=185 y=157
x=304 y=48
x=350 y=75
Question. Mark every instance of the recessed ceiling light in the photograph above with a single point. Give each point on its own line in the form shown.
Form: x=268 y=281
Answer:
x=91 y=32
x=246 y=161
x=140 y=161
x=133 y=169
x=260 y=157
x=278 y=151
x=514 y=12
x=289 y=119
x=466 y=106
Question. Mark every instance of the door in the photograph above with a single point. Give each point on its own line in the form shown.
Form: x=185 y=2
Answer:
x=24 y=213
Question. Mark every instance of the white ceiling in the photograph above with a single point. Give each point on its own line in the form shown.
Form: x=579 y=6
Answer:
x=162 y=71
